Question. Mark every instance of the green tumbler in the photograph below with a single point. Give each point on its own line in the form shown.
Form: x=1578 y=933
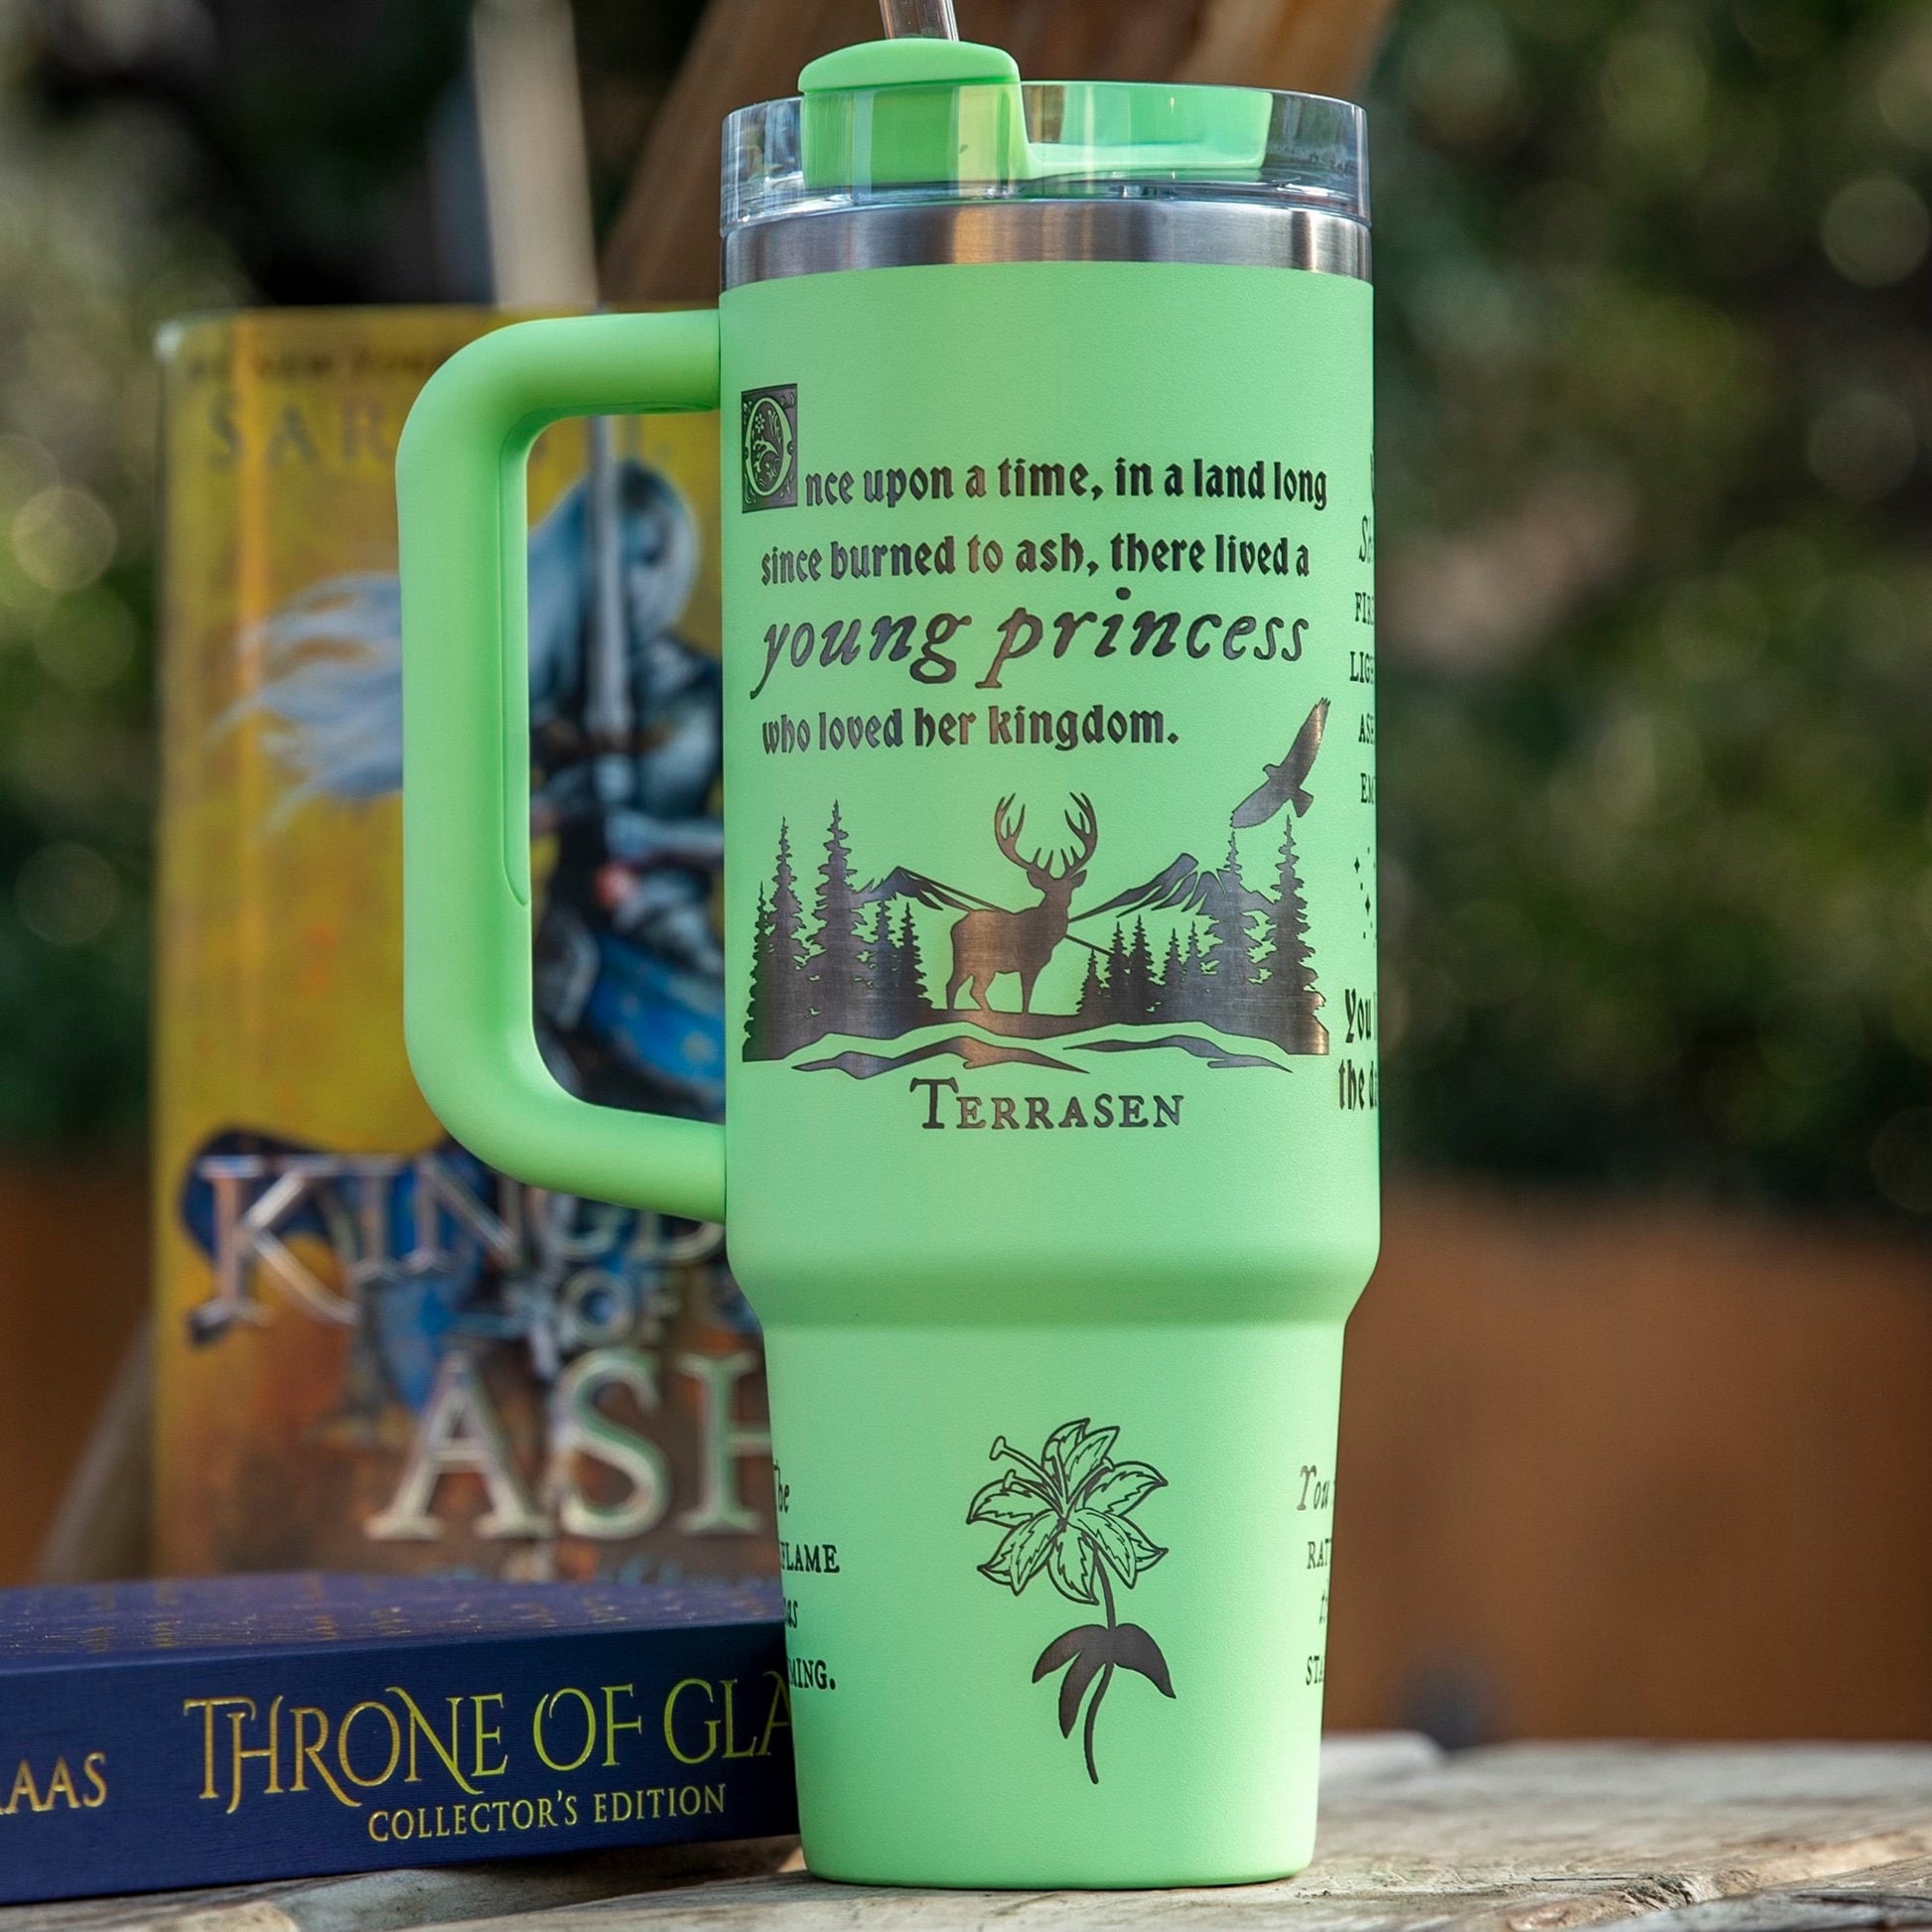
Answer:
x=1049 y=1157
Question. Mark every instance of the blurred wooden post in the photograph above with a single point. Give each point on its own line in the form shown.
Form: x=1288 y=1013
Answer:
x=537 y=176
x=664 y=246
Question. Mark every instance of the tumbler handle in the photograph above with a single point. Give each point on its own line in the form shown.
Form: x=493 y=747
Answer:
x=466 y=967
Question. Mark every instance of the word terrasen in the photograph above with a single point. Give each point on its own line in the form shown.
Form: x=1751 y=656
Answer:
x=999 y=1110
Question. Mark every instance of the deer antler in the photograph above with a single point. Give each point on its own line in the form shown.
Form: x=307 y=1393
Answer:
x=1084 y=826
x=1006 y=837
x=1038 y=868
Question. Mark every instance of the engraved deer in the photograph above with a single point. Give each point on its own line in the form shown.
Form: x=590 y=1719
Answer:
x=989 y=941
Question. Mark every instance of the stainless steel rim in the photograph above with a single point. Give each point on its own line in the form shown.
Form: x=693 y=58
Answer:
x=914 y=234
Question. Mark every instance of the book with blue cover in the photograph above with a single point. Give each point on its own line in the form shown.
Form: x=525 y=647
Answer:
x=163 y=1734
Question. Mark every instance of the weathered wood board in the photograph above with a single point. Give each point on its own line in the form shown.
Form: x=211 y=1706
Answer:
x=403 y=1902
x=1533 y=1838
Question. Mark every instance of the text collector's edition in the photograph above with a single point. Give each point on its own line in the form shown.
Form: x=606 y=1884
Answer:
x=155 y=1735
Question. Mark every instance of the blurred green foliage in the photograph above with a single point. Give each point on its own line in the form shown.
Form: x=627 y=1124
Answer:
x=159 y=157
x=93 y=252
x=1655 y=379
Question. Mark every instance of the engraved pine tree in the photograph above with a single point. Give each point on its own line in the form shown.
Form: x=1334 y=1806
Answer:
x=1068 y=1516
x=1292 y=999
x=780 y=1017
x=836 y=974
x=1092 y=1007
x=1192 y=947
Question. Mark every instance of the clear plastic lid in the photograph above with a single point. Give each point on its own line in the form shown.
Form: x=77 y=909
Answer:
x=906 y=121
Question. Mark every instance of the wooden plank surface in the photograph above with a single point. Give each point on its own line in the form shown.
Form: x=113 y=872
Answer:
x=403 y=1902
x=1535 y=1838
x=1898 y=1893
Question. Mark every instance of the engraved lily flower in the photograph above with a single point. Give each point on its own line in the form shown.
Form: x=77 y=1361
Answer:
x=1069 y=1515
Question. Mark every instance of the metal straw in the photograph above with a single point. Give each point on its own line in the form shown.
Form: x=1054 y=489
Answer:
x=928 y=20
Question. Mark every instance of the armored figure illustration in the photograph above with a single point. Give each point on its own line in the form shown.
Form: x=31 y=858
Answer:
x=625 y=735
x=625 y=744
x=628 y=975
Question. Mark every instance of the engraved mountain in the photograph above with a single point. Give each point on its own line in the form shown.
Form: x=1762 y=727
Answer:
x=1193 y=945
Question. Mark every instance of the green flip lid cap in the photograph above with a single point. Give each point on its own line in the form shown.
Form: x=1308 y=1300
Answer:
x=945 y=113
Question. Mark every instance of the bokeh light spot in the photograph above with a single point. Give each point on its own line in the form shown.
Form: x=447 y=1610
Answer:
x=1875 y=231
x=1862 y=444
x=63 y=537
x=1901 y=1159
x=67 y=895
x=86 y=642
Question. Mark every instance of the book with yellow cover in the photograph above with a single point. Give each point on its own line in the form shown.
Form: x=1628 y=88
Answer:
x=374 y=1352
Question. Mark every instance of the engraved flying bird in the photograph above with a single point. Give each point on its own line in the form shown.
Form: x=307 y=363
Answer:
x=1285 y=783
